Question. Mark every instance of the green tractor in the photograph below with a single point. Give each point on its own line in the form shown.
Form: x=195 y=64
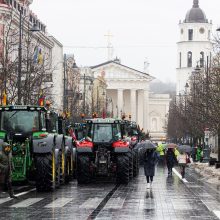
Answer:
x=40 y=149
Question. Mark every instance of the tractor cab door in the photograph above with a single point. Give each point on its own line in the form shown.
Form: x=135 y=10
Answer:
x=52 y=122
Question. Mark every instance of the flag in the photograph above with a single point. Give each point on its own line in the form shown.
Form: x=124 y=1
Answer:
x=41 y=100
x=4 y=99
x=40 y=57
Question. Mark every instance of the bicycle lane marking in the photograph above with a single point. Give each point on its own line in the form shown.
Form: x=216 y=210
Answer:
x=179 y=175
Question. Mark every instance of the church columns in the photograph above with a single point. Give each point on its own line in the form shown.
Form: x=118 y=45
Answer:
x=146 y=110
x=133 y=104
x=140 y=109
x=120 y=102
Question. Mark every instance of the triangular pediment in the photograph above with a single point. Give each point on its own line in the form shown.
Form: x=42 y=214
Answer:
x=116 y=71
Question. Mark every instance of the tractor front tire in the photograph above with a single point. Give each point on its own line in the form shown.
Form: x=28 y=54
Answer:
x=45 y=172
x=123 y=169
x=83 y=169
x=135 y=163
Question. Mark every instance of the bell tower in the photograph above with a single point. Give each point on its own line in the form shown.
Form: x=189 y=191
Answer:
x=194 y=45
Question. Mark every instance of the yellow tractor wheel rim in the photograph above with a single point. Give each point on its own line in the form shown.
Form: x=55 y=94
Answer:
x=53 y=168
x=63 y=163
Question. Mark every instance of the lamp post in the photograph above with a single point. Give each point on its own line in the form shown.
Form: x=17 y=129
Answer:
x=33 y=29
x=206 y=150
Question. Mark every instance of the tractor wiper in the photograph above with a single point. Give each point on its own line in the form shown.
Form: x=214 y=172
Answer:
x=12 y=115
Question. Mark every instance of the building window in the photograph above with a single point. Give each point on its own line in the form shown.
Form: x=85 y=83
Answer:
x=180 y=61
x=190 y=34
x=15 y=4
x=201 y=60
x=189 y=59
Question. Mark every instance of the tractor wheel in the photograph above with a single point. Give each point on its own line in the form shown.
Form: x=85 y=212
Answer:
x=58 y=171
x=68 y=169
x=130 y=155
x=123 y=169
x=45 y=172
x=135 y=163
x=83 y=169
x=63 y=162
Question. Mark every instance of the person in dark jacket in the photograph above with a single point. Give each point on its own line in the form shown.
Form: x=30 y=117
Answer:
x=6 y=168
x=171 y=160
x=150 y=160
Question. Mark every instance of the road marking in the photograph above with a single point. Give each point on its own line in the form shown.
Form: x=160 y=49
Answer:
x=58 y=203
x=179 y=175
x=217 y=213
x=23 y=193
x=3 y=200
x=115 y=203
x=91 y=203
x=26 y=203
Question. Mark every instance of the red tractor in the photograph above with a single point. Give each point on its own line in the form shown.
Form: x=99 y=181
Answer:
x=104 y=152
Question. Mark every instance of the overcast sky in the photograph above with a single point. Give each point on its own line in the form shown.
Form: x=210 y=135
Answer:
x=141 y=29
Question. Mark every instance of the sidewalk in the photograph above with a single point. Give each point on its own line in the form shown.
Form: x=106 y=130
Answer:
x=210 y=173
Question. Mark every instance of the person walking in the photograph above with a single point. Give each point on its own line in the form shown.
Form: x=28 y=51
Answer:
x=170 y=160
x=6 y=168
x=199 y=154
x=150 y=161
x=161 y=151
x=183 y=159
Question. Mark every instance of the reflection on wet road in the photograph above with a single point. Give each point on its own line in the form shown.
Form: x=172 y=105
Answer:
x=169 y=198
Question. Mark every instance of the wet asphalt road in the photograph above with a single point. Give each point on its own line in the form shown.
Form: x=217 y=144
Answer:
x=169 y=198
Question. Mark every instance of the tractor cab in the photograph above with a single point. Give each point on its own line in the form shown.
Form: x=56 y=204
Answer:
x=103 y=131
x=19 y=122
x=130 y=131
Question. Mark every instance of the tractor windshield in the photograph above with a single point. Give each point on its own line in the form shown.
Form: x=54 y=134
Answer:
x=20 y=121
x=104 y=132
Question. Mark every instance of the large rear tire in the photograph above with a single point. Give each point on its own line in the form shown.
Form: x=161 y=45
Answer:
x=45 y=172
x=68 y=174
x=130 y=155
x=135 y=163
x=83 y=169
x=123 y=169
x=58 y=171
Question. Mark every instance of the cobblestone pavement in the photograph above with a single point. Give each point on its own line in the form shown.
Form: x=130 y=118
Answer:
x=169 y=198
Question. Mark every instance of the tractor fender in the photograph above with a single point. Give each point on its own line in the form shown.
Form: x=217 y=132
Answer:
x=85 y=146
x=59 y=142
x=44 y=145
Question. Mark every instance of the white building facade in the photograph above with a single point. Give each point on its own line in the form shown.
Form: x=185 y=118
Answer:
x=129 y=91
x=194 y=47
x=41 y=54
x=57 y=74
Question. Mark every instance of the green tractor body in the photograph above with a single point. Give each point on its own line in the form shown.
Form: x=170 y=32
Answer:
x=40 y=149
